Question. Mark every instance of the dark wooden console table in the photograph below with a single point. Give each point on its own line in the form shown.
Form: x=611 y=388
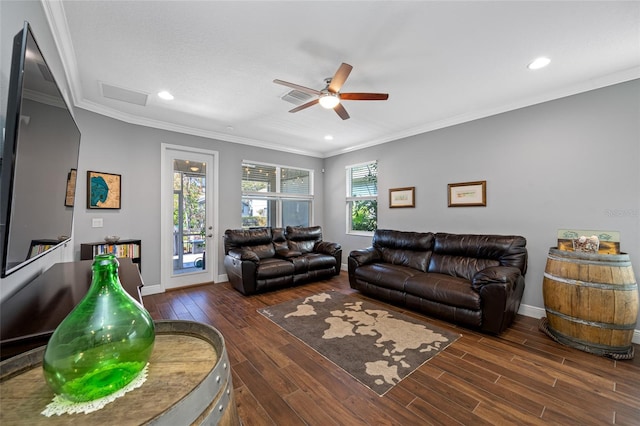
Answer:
x=30 y=316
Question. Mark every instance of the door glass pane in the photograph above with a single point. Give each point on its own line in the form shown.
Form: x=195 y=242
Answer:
x=189 y=216
x=296 y=212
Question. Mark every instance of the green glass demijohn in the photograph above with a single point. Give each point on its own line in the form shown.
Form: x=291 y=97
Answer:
x=103 y=344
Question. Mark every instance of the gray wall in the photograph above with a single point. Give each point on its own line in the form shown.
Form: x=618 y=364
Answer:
x=133 y=151
x=568 y=163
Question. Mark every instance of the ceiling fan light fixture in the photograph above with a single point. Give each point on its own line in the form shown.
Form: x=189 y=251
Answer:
x=329 y=100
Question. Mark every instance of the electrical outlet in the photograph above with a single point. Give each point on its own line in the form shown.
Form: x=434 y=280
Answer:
x=96 y=222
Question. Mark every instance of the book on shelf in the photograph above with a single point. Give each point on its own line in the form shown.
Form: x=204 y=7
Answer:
x=131 y=250
x=39 y=248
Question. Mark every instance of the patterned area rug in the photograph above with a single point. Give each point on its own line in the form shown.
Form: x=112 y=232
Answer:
x=376 y=345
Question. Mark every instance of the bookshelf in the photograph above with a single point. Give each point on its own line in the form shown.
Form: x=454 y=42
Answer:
x=123 y=248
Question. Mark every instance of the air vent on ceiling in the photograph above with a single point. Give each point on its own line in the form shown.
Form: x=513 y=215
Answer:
x=124 y=95
x=296 y=97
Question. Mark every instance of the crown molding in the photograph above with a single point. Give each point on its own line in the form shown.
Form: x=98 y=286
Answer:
x=210 y=134
x=54 y=12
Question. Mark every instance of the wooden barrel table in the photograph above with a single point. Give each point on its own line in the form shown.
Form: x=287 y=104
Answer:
x=188 y=383
x=591 y=302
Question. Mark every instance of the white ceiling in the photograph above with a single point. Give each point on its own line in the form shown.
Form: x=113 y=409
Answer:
x=442 y=63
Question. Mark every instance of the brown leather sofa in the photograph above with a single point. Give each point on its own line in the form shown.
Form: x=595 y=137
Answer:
x=264 y=259
x=473 y=280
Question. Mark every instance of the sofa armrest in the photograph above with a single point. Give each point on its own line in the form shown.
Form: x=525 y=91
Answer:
x=326 y=247
x=244 y=254
x=500 y=289
x=364 y=256
x=496 y=275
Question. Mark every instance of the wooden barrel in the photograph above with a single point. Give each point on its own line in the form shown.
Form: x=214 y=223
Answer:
x=591 y=302
x=188 y=383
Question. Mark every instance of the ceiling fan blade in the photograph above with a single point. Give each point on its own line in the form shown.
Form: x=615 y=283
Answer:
x=298 y=87
x=339 y=109
x=304 y=106
x=364 y=96
x=339 y=78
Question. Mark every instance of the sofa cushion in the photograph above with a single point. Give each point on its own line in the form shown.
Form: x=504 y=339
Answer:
x=264 y=251
x=313 y=262
x=303 y=239
x=386 y=275
x=412 y=249
x=257 y=240
x=273 y=267
x=302 y=246
x=445 y=289
x=455 y=314
x=508 y=250
x=298 y=233
x=279 y=240
x=459 y=266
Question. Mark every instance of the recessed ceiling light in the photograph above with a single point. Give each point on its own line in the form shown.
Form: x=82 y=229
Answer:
x=539 y=63
x=165 y=95
x=328 y=138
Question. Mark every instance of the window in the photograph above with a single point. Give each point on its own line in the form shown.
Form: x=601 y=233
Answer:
x=276 y=196
x=362 y=198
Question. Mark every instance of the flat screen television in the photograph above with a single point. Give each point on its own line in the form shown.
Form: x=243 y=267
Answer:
x=39 y=160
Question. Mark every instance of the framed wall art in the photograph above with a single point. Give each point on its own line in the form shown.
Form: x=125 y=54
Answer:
x=402 y=197
x=467 y=194
x=103 y=190
x=70 y=196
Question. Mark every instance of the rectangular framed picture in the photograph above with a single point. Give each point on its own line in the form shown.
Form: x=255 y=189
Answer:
x=103 y=190
x=402 y=197
x=70 y=196
x=467 y=194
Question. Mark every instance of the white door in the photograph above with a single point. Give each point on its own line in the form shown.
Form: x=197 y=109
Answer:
x=189 y=240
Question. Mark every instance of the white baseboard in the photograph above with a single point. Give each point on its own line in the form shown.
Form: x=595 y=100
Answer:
x=535 y=312
x=531 y=311
x=151 y=289
x=157 y=288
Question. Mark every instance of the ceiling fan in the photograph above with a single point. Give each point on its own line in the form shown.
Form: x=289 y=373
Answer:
x=330 y=96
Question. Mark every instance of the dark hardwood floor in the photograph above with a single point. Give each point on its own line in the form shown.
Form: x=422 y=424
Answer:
x=521 y=377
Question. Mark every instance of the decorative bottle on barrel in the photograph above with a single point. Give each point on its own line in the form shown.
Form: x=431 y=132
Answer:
x=103 y=344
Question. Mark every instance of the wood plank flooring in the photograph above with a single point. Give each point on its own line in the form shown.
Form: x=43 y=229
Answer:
x=521 y=377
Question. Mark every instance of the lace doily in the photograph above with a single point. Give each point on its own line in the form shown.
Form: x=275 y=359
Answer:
x=60 y=405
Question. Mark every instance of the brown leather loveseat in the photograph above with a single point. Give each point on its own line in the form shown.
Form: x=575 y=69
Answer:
x=263 y=259
x=473 y=280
